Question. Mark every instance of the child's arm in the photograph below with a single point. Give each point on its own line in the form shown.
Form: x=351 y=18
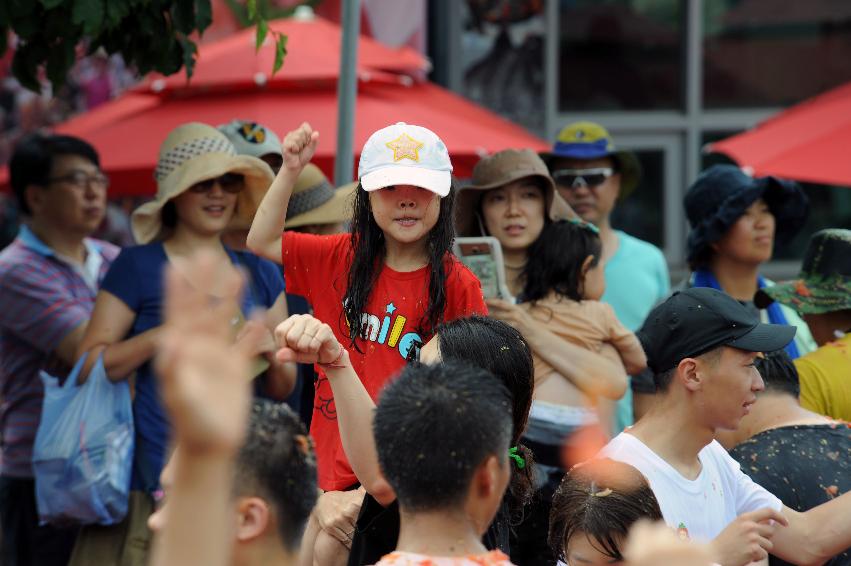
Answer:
x=264 y=237
x=626 y=343
x=205 y=386
x=590 y=372
x=304 y=339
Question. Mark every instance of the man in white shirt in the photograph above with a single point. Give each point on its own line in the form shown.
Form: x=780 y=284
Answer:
x=701 y=345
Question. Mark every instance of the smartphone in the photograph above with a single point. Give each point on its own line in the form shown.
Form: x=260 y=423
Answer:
x=483 y=256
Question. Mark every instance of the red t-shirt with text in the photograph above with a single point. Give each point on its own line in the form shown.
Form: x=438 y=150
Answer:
x=317 y=267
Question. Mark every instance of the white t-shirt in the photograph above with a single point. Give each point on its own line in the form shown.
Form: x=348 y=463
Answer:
x=700 y=508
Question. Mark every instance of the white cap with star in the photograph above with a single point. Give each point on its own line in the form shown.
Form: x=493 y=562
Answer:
x=404 y=154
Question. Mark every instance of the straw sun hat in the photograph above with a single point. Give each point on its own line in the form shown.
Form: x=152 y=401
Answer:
x=316 y=201
x=192 y=153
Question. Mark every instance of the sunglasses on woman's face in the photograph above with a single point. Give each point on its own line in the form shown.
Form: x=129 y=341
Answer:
x=229 y=182
x=573 y=178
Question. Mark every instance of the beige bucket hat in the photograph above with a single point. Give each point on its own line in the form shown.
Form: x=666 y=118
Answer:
x=500 y=169
x=316 y=201
x=192 y=153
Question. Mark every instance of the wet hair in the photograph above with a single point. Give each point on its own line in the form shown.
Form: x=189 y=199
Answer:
x=367 y=259
x=32 y=161
x=434 y=426
x=601 y=499
x=500 y=349
x=779 y=373
x=554 y=260
x=277 y=463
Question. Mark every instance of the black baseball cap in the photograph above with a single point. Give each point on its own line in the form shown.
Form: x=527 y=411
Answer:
x=697 y=320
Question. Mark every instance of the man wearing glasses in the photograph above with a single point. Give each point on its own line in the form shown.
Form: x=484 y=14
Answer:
x=49 y=276
x=593 y=176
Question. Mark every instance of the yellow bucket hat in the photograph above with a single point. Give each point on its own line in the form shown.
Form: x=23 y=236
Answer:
x=192 y=153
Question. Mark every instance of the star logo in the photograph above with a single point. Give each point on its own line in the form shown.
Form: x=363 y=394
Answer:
x=391 y=308
x=405 y=147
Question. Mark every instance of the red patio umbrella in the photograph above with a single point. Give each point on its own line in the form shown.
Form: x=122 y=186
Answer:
x=313 y=57
x=128 y=131
x=808 y=142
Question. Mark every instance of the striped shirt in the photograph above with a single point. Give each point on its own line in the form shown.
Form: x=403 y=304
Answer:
x=43 y=297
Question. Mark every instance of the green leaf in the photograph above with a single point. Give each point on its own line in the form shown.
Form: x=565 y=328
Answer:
x=59 y=61
x=251 y=7
x=24 y=18
x=189 y=51
x=262 y=30
x=116 y=11
x=203 y=14
x=50 y=4
x=183 y=16
x=280 y=52
x=89 y=14
x=24 y=68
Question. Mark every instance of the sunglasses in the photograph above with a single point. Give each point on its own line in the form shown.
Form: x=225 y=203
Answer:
x=574 y=178
x=229 y=182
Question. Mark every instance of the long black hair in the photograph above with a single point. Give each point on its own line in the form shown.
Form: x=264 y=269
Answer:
x=499 y=348
x=554 y=260
x=369 y=251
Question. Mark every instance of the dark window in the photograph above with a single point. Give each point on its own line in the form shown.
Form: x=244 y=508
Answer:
x=641 y=214
x=621 y=55
x=770 y=53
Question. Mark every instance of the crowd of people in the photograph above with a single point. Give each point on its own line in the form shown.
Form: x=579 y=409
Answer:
x=319 y=380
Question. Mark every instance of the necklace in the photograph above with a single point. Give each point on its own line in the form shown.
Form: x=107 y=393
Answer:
x=514 y=267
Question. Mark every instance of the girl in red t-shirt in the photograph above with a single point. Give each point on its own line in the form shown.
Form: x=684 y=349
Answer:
x=384 y=287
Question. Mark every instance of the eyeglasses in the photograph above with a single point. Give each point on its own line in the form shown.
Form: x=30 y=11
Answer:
x=81 y=180
x=229 y=182
x=574 y=178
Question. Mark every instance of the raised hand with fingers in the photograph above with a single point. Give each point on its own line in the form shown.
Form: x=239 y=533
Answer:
x=299 y=146
x=205 y=377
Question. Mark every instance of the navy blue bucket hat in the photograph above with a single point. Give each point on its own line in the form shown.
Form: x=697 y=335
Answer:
x=722 y=194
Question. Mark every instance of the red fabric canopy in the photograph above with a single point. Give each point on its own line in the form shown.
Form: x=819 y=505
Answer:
x=808 y=142
x=128 y=131
x=313 y=56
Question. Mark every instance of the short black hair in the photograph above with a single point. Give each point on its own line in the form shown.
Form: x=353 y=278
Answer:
x=277 y=463
x=32 y=161
x=601 y=499
x=434 y=426
x=779 y=373
x=555 y=260
x=500 y=349
x=663 y=380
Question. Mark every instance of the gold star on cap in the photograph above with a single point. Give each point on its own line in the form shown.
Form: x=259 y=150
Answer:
x=405 y=147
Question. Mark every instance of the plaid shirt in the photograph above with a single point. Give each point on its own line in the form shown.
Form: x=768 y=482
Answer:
x=42 y=299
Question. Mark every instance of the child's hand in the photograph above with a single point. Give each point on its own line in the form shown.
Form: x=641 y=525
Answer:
x=298 y=147
x=205 y=378
x=304 y=339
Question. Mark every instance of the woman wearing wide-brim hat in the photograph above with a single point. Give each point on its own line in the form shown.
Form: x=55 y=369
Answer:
x=736 y=220
x=512 y=197
x=203 y=188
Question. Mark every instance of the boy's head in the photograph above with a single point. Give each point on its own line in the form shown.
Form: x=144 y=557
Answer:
x=274 y=485
x=703 y=342
x=442 y=433
x=57 y=181
x=594 y=508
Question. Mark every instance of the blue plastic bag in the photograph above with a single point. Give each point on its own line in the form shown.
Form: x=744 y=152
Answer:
x=83 y=453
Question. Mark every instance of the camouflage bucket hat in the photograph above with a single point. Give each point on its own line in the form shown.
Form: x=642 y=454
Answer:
x=824 y=283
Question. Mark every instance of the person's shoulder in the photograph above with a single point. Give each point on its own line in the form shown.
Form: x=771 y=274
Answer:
x=635 y=245
x=621 y=447
x=21 y=263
